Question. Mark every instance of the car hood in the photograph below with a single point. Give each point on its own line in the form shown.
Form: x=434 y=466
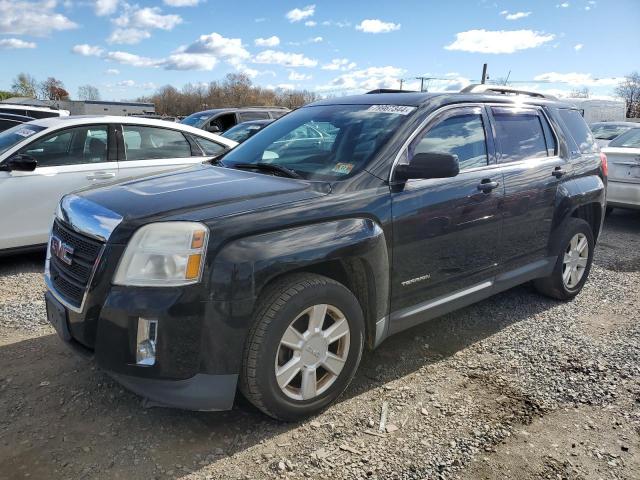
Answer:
x=200 y=193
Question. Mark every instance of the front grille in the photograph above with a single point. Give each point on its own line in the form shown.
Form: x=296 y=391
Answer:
x=71 y=281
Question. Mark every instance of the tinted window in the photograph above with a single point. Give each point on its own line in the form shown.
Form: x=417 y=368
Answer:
x=242 y=131
x=579 y=130
x=143 y=143
x=604 y=131
x=461 y=135
x=631 y=139
x=246 y=116
x=70 y=147
x=209 y=147
x=7 y=124
x=277 y=113
x=519 y=134
x=16 y=134
x=196 y=119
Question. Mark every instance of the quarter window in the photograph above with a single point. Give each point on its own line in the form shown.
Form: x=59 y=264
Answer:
x=209 y=147
x=519 y=134
x=70 y=147
x=462 y=135
x=144 y=143
x=579 y=130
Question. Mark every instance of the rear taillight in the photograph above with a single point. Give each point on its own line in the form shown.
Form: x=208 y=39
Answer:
x=604 y=164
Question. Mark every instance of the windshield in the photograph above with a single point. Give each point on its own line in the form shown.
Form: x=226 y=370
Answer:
x=608 y=132
x=241 y=132
x=325 y=142
x=12 y=136
x=630 y=139
x=196 y=119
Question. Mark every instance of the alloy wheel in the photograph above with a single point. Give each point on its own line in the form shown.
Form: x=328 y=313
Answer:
x=575 y=260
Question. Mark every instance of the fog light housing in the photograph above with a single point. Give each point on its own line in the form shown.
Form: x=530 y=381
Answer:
x=146 y=342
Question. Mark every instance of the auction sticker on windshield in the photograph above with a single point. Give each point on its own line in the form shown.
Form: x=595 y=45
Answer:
x=25 y=132
x=397 y=109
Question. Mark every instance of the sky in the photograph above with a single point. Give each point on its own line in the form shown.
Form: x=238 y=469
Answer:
x=129 y=48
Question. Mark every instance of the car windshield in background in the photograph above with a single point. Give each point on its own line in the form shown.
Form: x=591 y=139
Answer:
x=242 y=132
x=194 y=120
x=609 y=132
x=630 y=139
x=323 y=142
x=10 y=137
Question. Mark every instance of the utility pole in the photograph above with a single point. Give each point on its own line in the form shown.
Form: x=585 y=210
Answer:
x=401 y=82
x=422 y=79
x=484 y=74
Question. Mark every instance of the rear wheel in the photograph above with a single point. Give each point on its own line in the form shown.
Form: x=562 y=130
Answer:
x=573 y=265
x=304 y=347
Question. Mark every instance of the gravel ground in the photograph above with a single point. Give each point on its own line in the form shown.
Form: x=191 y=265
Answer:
x=517 y=386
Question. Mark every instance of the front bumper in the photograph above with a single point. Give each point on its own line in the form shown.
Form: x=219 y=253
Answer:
x=623 y=194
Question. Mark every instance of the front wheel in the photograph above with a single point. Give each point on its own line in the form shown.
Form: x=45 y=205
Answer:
x=303 y=348
x=573 y=265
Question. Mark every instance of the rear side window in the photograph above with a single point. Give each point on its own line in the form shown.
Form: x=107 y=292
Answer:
x=145 y=143
x=579 y=130
x=519 y=133
x=246 y=116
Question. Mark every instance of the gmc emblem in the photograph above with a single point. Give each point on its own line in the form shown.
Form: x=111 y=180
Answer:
x=61 y=250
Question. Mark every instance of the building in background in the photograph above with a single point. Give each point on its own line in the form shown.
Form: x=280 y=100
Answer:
x=594 y=110
x=88 y=107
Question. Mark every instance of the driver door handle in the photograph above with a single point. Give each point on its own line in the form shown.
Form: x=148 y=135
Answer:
x=558 y=172
x=487 y=185
x=101 y=176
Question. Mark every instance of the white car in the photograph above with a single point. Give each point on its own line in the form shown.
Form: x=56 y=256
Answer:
x=32 y=111
x=42 y=160
x=623 y=155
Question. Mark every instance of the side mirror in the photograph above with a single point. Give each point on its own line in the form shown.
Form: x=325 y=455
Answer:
x=21 y=163
x=429 y=165
x=213 y=129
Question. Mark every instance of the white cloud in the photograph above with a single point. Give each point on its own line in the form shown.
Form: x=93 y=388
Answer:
x=331 y=23
x=377 y=26
x=181 y=3
x=367 y=79
x=32 y=18
x=267 y=42
x=298 y=77
x=134 y=84
x=282 y=86
x=14 y=43
x=105 y=7
x=563 y=5
x=515 y=15
x=147 y=18
x=128 y=36
x=339 y=64
x=284 y=58
x=316 y=39
x=126 y=83
x=310 y=23
x=502 y=41
x=190 y=61
x=215 y=45
x=87 y=50
x=112 y=71
x=298 y=14
x=127 y=58
x=577 y=47
x=578 y=79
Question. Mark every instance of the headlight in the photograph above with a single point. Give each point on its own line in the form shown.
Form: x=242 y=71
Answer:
x=165 y=254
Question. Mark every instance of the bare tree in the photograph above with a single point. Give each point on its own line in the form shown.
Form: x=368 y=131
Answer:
x=53 y=89
x=629 y=90
x=88 y=92
x=24 y=85
x=580 y=93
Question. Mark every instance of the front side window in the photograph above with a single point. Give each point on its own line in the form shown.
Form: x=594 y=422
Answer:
x=17 y=134
x=604 y=131
x=631 y=139
x=462 y=135
x=355 y=133
x=247 y=116
x=72 y=146
x=579 y=130
x=241 y=132
x=519 y=133
x=145 y=143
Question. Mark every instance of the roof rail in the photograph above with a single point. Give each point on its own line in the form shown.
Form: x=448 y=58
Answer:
x=389 y=90
x=504 y=90
x=265 y=106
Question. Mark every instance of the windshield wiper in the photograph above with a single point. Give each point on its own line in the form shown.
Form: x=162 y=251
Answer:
x=268 y=167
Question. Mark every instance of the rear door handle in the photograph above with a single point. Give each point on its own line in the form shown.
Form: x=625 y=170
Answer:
x=101 y=176
x=558 y=172
x=487 y=185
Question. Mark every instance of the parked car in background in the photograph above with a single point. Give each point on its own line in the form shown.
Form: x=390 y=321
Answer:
x=32 y=111
x=8 y=120
x=245 y=130
x=623 y=153
x=222 y=119
x=272 y=272
x=607 y=131
x=42 y=160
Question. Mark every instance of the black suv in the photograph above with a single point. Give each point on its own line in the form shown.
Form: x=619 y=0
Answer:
x=222 y=119
x=274 y=268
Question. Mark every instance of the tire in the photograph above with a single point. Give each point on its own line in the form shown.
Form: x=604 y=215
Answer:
x=294 y=306
x=556 y=285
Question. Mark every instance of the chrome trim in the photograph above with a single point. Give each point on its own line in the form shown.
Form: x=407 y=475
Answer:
x=49 y=283
x=87 y=217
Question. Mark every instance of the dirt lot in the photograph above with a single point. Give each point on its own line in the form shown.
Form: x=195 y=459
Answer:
x=517 y=386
